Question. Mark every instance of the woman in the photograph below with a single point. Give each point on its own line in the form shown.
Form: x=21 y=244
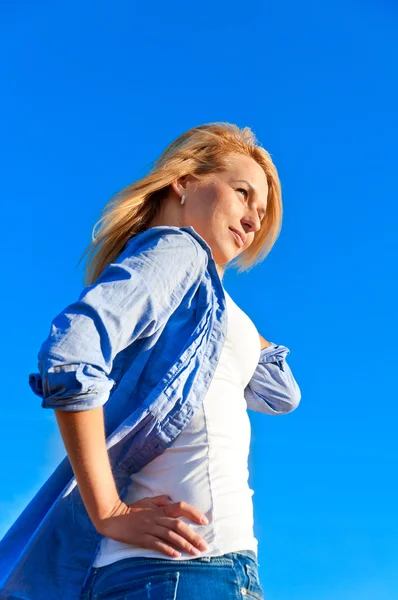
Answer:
x=150 y=374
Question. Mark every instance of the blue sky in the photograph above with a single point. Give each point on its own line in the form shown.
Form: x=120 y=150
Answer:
x=93 y=93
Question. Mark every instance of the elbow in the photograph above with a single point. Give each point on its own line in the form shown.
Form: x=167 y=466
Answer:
x=286 y=401
x=292 y=400
x=293 y=403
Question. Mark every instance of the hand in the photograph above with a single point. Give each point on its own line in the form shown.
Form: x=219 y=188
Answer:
x=151 y=522
x=264 y=343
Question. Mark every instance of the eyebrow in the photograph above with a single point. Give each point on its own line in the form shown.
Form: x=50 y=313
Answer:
x=252 y=189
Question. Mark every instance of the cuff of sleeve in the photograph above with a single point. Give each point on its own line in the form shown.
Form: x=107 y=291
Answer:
x=71 y=390
x=273 y=353
x=83 y=402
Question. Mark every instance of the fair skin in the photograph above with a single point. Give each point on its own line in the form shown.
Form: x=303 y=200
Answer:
x=224 y=201
x=236 y=197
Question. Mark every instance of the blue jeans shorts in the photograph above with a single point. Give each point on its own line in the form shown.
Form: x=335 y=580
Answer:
x=232 y=576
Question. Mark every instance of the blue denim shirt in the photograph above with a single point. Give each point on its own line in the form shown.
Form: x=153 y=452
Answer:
x=143 y=342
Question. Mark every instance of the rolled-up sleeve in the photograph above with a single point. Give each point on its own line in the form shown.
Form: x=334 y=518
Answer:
x=130 y=300
x=272 y=389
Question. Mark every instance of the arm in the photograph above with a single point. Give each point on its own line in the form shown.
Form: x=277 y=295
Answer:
x=272 y=388
x=83 y=434
x=133 y=297
x=264 y=343
x=76 y=359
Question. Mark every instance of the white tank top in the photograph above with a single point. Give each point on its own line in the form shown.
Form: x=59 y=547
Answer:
x=207 y=464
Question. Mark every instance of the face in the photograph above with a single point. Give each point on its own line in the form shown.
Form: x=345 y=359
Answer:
x=235 y=199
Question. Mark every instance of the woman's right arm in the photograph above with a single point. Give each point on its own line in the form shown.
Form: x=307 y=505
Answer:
x=132 y=298
x=83 y=434
x=150 y=522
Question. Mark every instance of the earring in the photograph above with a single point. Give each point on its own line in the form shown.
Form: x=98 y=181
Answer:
x=183 y=199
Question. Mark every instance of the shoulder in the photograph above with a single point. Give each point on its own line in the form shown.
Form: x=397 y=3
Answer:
x=170 y=255
x=164 y=238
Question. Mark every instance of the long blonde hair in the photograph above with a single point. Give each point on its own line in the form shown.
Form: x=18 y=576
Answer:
x=200 y=151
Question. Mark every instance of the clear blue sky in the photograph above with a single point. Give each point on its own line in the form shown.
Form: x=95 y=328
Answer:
x=92 y=93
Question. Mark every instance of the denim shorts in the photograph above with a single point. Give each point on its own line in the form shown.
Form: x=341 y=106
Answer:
x=232 y=576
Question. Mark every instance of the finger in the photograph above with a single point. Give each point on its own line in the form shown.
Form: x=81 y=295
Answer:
x=178 y=509
x=157 y=544
x=161 y=500
x=184 y=530
x=176 y=540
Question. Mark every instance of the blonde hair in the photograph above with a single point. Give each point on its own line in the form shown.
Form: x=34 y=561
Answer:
x=200 y=151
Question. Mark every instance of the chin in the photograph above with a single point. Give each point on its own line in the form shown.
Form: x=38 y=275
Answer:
x=223 y=258
x=223 y=254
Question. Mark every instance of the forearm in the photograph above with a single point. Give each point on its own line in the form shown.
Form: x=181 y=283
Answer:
x=83 y=434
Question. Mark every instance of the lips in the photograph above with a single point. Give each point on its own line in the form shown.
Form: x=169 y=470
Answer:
x=238 y=236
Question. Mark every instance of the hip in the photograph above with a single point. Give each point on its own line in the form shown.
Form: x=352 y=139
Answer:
x=232 y=576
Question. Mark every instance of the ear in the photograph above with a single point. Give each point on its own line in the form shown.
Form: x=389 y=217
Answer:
x=181 y=184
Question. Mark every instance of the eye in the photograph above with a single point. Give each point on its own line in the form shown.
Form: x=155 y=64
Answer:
x=246 y=193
